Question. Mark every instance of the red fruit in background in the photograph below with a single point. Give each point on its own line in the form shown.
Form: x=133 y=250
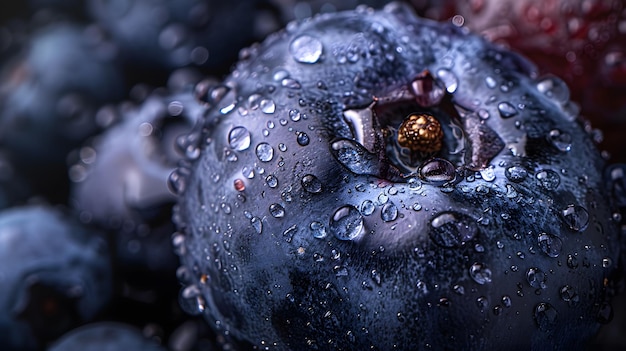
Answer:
x=581 y=41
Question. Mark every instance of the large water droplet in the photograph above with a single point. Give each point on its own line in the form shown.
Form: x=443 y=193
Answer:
x=437 y=171
x=452 y=229
x=311 y=184
x=548 y=179
x=306 y=49
x=239 y=138
x=550 y=244
x=265 y=152
x=576 y=217
x=389 y=212
x=480 y=273
x=346 y=223
x=536 y=278
x=277 y=210
x=545 y=316
x=506 y=110
x=267 y=106
x=271 y=181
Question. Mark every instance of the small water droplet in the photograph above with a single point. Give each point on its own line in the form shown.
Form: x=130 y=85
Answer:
x=516 y=173
x=389 y=212
x=506 y=301
x=560 y=140
x=449 y=79
x=576 y=217
x=302 y=138
x=306 y=49
x=437 y=171
x=346 y=223
x=267 y=106
x=277 y=210
x=482 y=303
x=311 y=184
x=318 y=230
x=550 y=244
x=367 y=207
x=536 y=278
x=480 y=273
x=452 y=229
x=554 y=88
x=376 y=277
x=257 y=224
x=545 y=316
x=239 y=138
x=569 y=295
x=271 y=181
x=548 y=179
x=506 y=110
x=265 y=152
x=490 y=82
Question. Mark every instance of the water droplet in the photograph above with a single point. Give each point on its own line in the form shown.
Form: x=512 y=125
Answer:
x=576 y=217
x=346 y=223
x=488 y=174
x=267 y=106
x=271 y=181
x=257 y=224
x=572 y=261
x=506 y=301
x=367 y=207
x=302 y=138
x=290 y=83
x=414 y=183
x=376 y=277
x=265 y=152
x=516 y=173
x=569 y=295
x=239 y=138
x=449 y=79
x=606 y=262
x=306 y=49
x=480 y=274
x=536 y=278
x=482 y=303
x=177 y=181
x=191 y=300
x=554 y=88
x=437 y=171
x=452 y=229
x=548 y=179
x=239 y=185
x=290 y=232
x=550 y=245
x=506 y=110
x=545 y=316
x=311 y=184
x=318 y=229
x=389 y=212
x=490 y=82
x=277 y=210
x=561 y=141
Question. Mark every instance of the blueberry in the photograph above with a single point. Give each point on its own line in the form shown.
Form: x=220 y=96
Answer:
x=105 y=336
x=120 y=180
x=363 y=184
x=55 y=275
x=49 y=97
x=169 y=34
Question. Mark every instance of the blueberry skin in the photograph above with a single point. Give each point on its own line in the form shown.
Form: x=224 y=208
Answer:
x=120 y=179
x=55 y=274
x=49 y=95
x=105 y=336
x=339 y=240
